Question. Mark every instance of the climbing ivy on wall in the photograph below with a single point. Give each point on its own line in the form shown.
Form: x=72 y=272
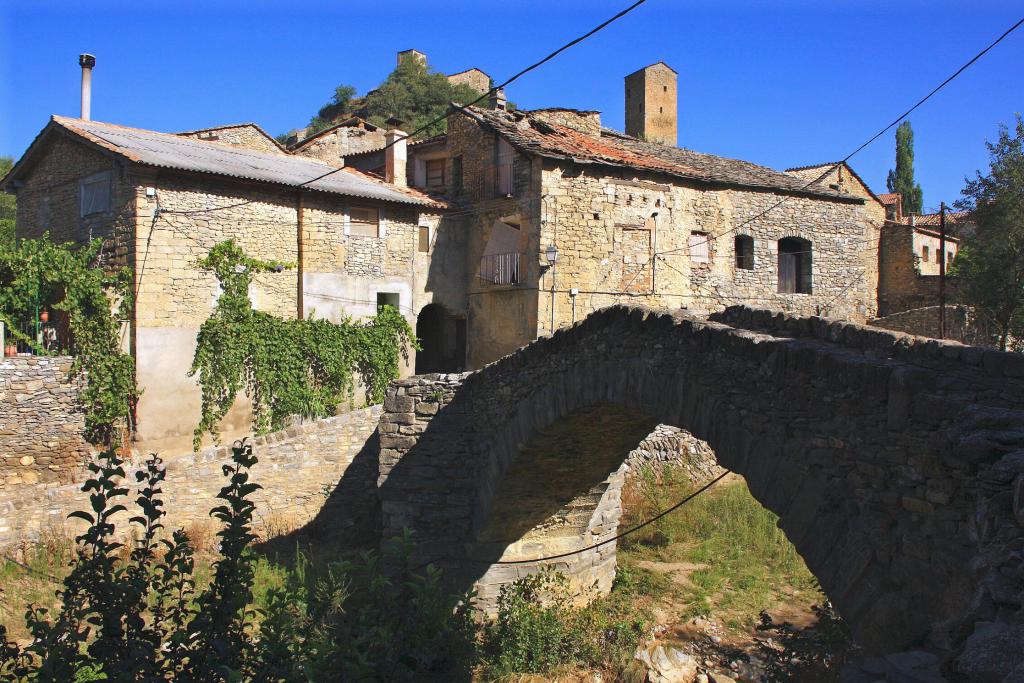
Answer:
x=38 y=274
x=286 y=367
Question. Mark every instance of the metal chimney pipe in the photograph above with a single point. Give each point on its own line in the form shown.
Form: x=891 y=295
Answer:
x=87 y=62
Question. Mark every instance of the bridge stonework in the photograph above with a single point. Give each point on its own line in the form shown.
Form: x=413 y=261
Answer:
x=895 y=463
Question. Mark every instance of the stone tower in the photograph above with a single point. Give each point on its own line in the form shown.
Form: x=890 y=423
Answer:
x=651 y=104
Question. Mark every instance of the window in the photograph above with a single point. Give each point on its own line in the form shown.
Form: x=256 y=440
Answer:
x=504 y=178
x=949 y=257
x=387 y=299
x=424 y=244
x=744 y=246
x=794 y=266
x=924 y=253
x=700 y=251
x=95 y=191
x=456 y=174
x=664 y=88
x=435 y=173
x=364 y=221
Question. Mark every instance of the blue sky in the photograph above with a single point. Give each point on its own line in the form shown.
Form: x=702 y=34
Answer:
x=782 y=83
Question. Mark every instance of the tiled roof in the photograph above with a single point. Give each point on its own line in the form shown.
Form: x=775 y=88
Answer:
x=934 y=219
x=533 y=136
x=890 y=198
x=167 y=150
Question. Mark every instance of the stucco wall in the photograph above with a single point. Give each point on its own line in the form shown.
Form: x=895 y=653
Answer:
x=298 y=468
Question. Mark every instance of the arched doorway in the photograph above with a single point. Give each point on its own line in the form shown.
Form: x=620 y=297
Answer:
x=443 y=340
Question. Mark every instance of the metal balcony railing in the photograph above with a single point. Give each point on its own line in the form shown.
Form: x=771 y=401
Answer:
x=500 y=269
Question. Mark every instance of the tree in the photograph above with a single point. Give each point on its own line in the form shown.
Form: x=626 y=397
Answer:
x=413 y=93
x=8 y=205
x=338 y=106
x=902 y=179
x=416 y=94
x=990 y=264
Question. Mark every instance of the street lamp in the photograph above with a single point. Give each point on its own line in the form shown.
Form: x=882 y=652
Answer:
x=551 y=254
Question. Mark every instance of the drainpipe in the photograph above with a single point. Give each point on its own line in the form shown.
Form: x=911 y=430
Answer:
x=87 y=62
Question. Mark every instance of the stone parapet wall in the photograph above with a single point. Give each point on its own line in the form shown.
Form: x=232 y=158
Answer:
x=961 y=324
x=299 y=468
x=893 y=462
x=41 y=422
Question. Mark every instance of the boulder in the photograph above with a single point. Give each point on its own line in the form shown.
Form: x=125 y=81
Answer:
x=666 y=664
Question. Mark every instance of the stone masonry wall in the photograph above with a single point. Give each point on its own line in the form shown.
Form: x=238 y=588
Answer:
x=41 y=422
x=298 y=469
x=961 y=324
x=624 y=238
x=50 y=200
x=893 y=462
x=246 y=135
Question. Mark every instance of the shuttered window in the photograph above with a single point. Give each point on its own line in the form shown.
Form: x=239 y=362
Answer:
x=364 y=221
x=95 y=191
x=700 y=251
x=424 y=243
x=435 y=173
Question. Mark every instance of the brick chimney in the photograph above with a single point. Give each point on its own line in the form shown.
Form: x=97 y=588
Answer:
x=395 y=157
x=652 y=104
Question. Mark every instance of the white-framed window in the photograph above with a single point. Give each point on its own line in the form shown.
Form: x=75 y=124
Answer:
x=95 y=193
x=364 y=221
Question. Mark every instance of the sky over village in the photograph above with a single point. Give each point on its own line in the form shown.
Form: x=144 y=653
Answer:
x=776 y=83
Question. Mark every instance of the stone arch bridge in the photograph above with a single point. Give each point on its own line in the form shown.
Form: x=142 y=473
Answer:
x=895 y=463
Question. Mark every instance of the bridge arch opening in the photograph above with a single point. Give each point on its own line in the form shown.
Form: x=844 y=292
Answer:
x=854 y=446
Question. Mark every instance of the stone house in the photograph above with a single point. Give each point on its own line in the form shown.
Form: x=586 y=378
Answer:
x=160 y=201
x=565 y=216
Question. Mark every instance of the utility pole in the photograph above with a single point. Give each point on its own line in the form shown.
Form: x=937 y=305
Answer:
x=942 y=270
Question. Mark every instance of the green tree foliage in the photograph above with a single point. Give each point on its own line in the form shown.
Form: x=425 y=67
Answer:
x=40 y=274
x=416 y=94
x=413 y=93
x=990 y=264
x=8 y=205
x=338 y=106
x=901 y=180
x=290 y=367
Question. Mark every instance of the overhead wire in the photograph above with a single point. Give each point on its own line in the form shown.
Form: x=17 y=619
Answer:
x=463 y=107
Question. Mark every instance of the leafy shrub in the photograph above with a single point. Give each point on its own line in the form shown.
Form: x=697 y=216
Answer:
x=538 y=628
x=131 y=614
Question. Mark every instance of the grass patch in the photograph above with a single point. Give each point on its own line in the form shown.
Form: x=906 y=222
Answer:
x=744 y=562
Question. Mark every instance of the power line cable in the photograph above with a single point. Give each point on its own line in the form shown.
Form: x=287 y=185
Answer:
x=617 y=537
x=463 y=107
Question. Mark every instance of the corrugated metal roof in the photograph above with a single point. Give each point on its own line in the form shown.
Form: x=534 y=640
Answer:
x=167 y=150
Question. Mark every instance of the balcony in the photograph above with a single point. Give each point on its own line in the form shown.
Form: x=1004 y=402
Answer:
x=500 y=269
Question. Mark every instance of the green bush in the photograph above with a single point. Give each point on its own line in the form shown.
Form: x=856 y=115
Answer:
x=538 y=628
x=132 y=614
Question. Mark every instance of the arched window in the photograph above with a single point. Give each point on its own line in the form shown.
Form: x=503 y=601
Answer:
x=744 y=247
x=795 y=265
